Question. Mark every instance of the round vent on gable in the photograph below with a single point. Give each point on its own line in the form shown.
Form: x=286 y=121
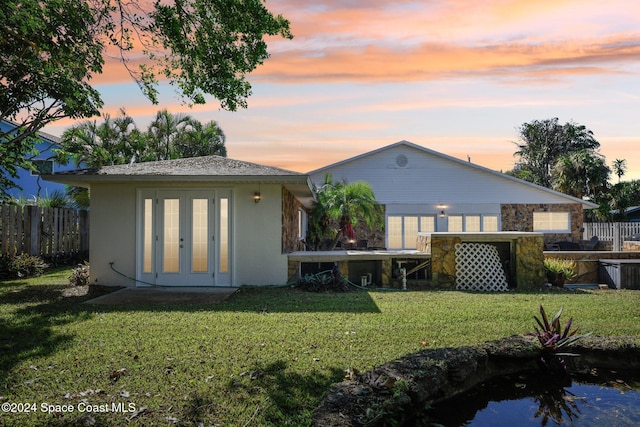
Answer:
x=402 y=160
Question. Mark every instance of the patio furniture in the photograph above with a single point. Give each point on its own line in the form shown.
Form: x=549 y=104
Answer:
x=590 y=244
x=569 y=246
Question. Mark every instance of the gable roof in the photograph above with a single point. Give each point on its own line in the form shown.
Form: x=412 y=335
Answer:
x=193 y=169
x=8 y=125
x=501 y=177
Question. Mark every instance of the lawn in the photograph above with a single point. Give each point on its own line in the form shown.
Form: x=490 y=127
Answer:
x=264 y=357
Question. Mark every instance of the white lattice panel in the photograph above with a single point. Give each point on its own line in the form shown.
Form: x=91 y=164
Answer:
x=478 y=268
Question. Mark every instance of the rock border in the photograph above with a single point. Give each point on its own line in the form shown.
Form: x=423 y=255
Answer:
x=395 y=389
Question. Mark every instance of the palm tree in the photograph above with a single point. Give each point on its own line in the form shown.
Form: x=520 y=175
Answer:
x=200 y=140
x=163 y=132
x=581 y=174
x=619 y=167
x=339 y=208
x=543 y=142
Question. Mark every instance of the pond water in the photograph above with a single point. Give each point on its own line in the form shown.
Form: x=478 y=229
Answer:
x=594 y=398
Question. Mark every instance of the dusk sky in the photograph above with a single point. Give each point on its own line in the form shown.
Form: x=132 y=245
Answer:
x=455 y=76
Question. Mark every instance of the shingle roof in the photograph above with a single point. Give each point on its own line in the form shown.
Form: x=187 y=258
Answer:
x=214 y=169
x=193 y=166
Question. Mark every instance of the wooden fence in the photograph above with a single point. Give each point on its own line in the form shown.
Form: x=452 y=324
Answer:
x=45 y=232
x=616 y=232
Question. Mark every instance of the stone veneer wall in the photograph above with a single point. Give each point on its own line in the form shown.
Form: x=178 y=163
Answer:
x=519 y=217
x=290 y=206
x=587 y=262
x=530 y=273
x=630 y=246
x=529 y=258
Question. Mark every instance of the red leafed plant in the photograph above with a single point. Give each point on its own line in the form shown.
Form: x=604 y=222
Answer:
x=554 y=338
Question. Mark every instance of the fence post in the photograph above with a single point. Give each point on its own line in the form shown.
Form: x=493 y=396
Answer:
x=616 y=236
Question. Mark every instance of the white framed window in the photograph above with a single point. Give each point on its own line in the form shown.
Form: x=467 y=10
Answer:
x=474 y=223
x=302 y=224
x=552 y=222
x=402 y=230
x=454 y=223
x=490 y=223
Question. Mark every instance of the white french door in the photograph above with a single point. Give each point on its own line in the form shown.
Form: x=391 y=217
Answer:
x=184 y=237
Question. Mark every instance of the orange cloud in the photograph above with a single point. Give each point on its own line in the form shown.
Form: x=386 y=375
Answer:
x=438 y=60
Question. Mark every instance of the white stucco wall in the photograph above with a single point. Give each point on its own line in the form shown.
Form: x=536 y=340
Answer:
x=256 y=232
x=112 y=234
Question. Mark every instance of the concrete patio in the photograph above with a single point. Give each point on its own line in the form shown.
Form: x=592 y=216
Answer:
x=164 y=296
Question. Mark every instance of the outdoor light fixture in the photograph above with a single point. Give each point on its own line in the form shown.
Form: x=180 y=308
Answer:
x=257 y=197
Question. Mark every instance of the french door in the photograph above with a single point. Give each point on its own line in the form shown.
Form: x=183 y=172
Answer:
x=184 y=237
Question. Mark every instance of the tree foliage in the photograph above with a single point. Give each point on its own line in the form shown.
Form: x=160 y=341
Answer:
x=543 y=142
x=619 y=168
x=118 y=141
x=51 y=49
x=582 y=174
x=340 y=207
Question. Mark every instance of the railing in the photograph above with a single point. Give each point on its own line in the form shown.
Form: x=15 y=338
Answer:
x=616 y=232
x=46 y=232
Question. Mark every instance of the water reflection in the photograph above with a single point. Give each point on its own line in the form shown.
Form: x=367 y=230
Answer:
x=589 y=399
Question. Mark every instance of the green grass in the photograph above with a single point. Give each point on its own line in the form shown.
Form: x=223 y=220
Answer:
x=264 y=357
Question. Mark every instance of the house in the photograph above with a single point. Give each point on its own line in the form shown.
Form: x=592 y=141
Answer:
x=633 y=214
x=30 y=182
x=202 y=221
x=426 y=191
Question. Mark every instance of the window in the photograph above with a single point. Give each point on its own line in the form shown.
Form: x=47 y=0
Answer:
x=490 y=223
x=42 y=167
x=302 y=224
x=472 y=223
x=402 y=230
x=552 y=222
x=454 y=223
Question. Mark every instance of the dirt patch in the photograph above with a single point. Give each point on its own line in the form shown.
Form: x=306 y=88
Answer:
x=396 y=390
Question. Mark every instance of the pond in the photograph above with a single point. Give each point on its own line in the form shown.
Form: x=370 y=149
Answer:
x=593 y=398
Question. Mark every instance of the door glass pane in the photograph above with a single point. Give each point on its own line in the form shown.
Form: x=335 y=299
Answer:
x=171 y=249
x=200 y=236
x=394 y=232
x=224 y=235
x=410 y=232
x=147 y=237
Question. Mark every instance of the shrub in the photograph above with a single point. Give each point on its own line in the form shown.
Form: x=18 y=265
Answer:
x=559 y=270
x=22 y=265
x=80 y=275
x=554 y=339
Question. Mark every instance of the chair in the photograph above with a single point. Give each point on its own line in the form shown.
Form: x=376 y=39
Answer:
x=591 y=244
